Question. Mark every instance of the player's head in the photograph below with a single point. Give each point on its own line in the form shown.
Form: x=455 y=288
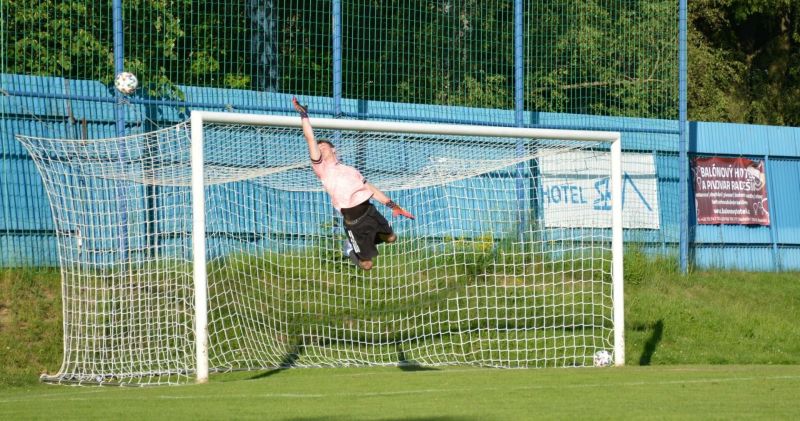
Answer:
x=326 y=148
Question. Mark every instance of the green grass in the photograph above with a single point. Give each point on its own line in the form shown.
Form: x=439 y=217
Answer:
x=30 y=325
x=713 y=317
x=668 y=392
x=335 y=312
x=709 y=345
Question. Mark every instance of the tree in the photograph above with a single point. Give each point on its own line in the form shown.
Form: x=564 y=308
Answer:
x=58 y=38
x=744 y=61
x=603 y=58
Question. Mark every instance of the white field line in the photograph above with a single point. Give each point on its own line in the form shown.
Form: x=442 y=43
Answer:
x=86 y=395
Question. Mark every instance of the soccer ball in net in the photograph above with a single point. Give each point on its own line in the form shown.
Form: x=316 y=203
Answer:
x=602 y=358
x=126 y=82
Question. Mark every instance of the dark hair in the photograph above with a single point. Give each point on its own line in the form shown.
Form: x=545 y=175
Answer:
x=326 y=141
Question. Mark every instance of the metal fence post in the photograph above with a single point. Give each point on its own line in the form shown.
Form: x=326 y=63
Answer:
x=337 y=57
x=773 y=231
x=683 y=155
x=119 y=113
x=519 y=109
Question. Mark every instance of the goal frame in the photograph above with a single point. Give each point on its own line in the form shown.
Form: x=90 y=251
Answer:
x=199 y=118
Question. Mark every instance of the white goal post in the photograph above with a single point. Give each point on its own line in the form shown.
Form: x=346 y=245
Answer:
x=210 y=246
x=198 y=118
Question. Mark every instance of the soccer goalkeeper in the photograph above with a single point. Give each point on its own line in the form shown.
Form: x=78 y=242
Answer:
x=351 y=193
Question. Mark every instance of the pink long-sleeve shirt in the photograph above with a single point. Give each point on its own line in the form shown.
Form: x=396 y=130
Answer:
x=344 y=184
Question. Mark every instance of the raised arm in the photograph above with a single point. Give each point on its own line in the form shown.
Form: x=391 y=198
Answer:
x=308 y=131
x=380 y=196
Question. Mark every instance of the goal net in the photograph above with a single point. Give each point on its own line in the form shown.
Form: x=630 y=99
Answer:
x=177 y=261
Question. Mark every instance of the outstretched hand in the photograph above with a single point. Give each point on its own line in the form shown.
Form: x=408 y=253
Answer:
x=397 y=210
x=303 y=110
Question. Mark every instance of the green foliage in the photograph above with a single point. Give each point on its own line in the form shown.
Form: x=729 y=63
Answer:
x=447 y=53
x=604 y=58
x=641 y=268
x=744 y=60
x=56 y=38
x=713 y=93
x=593 y=57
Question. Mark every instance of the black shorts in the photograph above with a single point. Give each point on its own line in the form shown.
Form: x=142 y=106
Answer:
x=366 y=231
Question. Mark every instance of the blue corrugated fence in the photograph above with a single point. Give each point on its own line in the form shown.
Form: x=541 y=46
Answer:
x=26 y=227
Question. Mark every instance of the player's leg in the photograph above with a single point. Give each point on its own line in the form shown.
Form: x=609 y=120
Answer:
x=362 y=238
x=383 y=231
x=347 y=248
x=387 y=238
x=365 y=264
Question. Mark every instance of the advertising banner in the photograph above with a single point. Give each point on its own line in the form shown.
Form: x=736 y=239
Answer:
x=730 y=191
x=576 y=190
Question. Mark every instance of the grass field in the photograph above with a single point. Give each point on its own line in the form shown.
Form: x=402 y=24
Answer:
x=664 y=392
x=713 y=344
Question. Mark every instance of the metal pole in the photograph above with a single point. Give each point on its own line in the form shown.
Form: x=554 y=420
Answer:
x=773 y=222
x=119 y=62
x=337 y=58
x=119 y=109
x=519 y=64
x=519 y=109
x=683 y=143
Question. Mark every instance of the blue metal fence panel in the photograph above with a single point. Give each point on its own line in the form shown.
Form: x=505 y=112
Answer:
x=784 y=201
x=25 y=212
x=747 y=247
x=24 y=202
x=744 y=140
x=734 y=257
x=731 y=234
x=789 y=258
x=29 y=250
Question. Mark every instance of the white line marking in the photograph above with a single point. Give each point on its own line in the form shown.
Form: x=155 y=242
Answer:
x=118 y=397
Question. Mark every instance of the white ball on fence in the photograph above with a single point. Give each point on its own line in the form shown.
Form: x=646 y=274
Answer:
x=126 y=82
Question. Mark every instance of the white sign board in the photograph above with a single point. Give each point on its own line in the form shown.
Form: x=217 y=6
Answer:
x=576 y=190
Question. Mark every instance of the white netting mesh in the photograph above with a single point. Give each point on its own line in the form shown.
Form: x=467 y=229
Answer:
x=478 y=278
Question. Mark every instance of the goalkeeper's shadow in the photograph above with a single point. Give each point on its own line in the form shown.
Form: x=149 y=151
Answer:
x=405 y=364
x=652 y=342
x=287 y=362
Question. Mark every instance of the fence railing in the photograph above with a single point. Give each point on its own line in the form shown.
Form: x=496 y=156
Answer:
x=609 y=65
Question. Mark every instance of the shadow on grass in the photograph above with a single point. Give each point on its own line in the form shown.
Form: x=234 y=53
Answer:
x=652 y=343
x=287 y=362
x=291 y=358
x=405 y=364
